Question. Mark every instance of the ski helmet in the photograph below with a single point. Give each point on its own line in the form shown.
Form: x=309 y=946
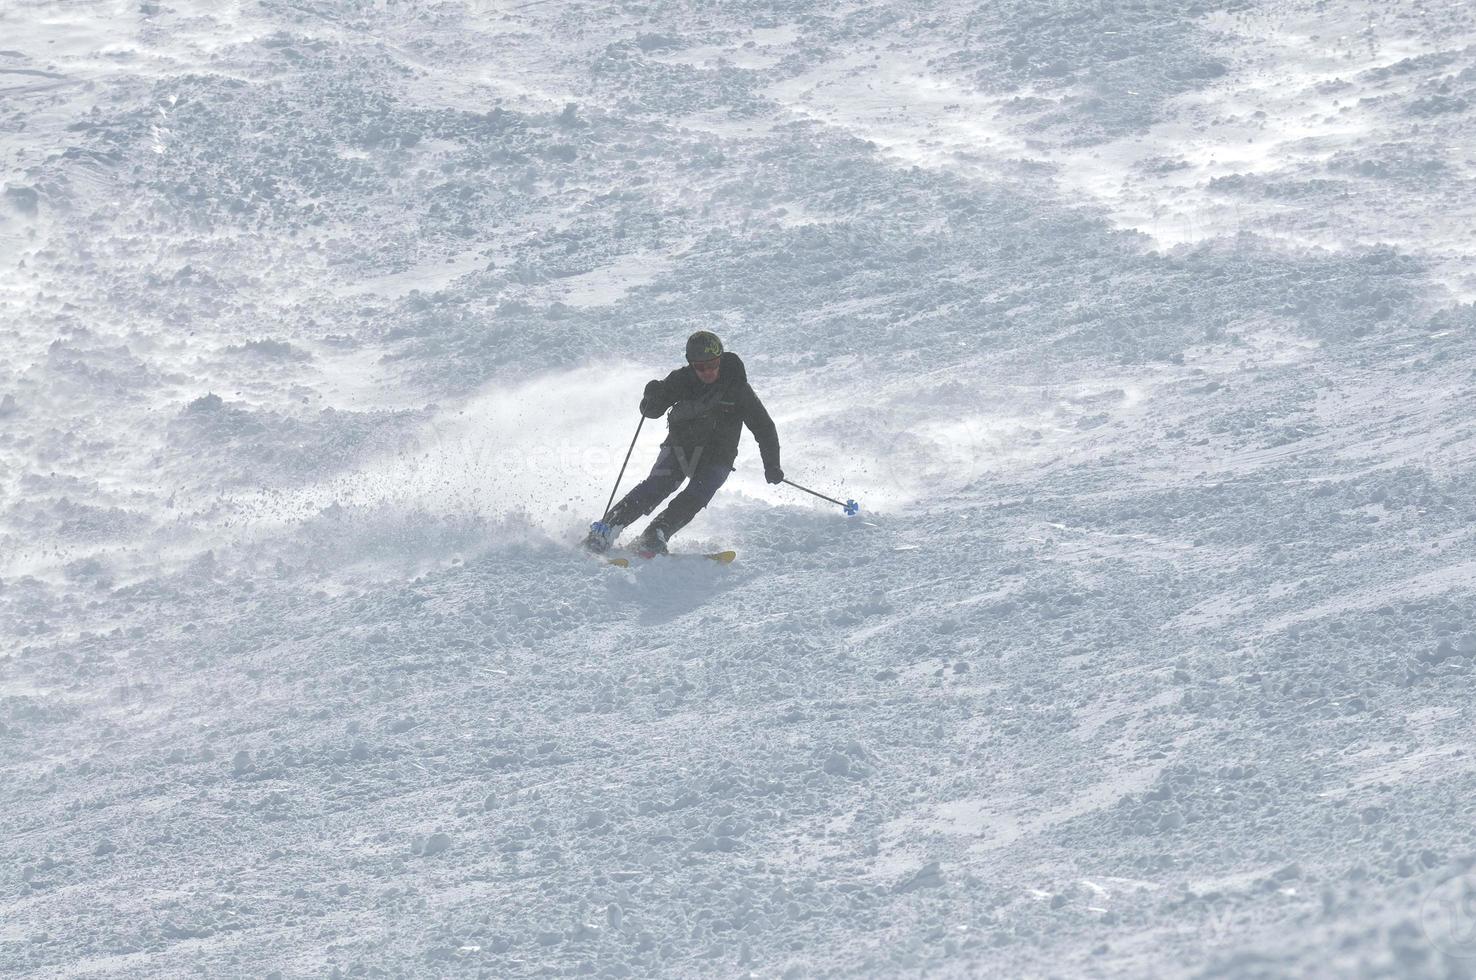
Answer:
x=703 y=346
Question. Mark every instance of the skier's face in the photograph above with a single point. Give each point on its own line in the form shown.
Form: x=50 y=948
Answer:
x=707 y=371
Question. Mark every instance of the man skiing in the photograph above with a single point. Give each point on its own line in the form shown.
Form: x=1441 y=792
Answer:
x=710 y=401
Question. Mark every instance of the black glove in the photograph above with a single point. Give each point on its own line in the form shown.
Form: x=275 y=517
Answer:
x=649 y=403
x=773 y=474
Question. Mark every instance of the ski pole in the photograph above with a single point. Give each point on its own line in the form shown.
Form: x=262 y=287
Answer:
x=611 y=502
x=849 y=506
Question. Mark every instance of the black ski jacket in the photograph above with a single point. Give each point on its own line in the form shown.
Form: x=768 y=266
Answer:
x=712 y=416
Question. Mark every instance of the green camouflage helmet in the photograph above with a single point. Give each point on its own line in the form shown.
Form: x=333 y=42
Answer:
x=703 y=346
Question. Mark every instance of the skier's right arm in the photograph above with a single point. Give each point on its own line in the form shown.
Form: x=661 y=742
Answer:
x=656 y=400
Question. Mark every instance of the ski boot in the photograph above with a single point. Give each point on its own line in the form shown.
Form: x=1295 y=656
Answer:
x=601 y=536
x=652 y=542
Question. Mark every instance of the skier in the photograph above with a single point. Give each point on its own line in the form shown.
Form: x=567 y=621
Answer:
x=710 y=400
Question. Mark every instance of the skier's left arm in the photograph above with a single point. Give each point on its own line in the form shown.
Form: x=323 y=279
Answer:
x=756 y=417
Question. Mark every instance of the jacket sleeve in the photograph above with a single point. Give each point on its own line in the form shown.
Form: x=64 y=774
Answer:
x=660 y=396
x=756 y=417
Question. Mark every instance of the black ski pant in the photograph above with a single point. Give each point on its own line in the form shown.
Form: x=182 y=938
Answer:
x=674 y=465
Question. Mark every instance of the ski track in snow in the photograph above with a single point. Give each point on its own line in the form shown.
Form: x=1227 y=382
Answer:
x=1142 y=332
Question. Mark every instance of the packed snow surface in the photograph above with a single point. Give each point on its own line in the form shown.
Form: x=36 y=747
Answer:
x=1142 y=332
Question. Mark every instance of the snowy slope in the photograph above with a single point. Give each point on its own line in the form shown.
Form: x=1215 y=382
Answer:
x=1143 y=333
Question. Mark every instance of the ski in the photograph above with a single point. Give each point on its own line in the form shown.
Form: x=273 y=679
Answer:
x=721 y=557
